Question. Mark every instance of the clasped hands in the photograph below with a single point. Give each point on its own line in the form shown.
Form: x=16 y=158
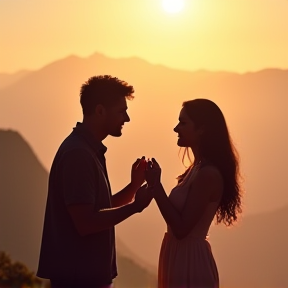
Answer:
x=149 y=171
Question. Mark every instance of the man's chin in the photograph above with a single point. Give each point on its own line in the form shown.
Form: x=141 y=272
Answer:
x=116 y=134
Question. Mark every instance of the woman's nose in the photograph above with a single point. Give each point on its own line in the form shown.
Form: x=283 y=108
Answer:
x=127 y=119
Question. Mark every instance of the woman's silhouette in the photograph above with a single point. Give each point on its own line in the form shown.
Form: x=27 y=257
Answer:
x=208 y=189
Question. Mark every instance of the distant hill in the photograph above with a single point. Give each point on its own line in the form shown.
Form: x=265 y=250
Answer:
x=23 y=190
x=254 y=253
x=9 y=79
x=23 y=186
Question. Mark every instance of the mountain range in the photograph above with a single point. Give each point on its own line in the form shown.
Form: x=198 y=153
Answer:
x=43 y=106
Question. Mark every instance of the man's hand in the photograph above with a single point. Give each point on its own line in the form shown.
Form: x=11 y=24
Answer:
x=138 y=172
x=143 y=197
x=126 y=195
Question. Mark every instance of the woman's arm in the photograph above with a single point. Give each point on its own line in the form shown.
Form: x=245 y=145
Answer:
x=207 y=183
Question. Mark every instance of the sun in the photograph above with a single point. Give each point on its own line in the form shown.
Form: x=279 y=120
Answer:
x=173 y=6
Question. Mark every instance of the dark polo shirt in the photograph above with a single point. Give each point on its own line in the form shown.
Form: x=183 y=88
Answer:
x=78 y=176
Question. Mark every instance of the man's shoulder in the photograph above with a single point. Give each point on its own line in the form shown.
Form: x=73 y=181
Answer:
x=74 y=141
x=74 y=146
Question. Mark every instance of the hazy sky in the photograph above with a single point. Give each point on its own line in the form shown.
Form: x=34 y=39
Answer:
x=235 y=35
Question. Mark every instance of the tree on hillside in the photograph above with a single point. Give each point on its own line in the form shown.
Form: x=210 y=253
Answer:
x=16 y=274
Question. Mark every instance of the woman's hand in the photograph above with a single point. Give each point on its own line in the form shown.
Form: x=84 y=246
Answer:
x=153 y=173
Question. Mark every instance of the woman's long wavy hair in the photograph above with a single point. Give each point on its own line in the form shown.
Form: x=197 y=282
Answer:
x=216 y=146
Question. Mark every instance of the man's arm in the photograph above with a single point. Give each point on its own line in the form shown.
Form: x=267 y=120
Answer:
x=87 y=221
x=124 y=196
x=80 y=194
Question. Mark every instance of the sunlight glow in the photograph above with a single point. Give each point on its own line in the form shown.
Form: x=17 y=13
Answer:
x=173 y=6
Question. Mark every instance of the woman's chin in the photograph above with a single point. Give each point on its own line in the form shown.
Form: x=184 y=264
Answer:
x=180 y=143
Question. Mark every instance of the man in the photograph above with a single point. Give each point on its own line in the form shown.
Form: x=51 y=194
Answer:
x=78 y=241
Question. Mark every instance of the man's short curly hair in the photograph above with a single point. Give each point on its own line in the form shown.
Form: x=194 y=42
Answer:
x=105 y=90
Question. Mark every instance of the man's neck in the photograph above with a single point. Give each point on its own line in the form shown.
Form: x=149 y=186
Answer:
x=95 y=130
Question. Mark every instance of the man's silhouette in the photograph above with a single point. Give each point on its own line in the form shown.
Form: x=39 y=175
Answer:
x=78 y=241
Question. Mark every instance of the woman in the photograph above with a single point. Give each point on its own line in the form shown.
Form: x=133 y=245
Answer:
x=208 y=188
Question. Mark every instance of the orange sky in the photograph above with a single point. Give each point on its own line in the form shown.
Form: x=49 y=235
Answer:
x=238 y=35
x=233 y=35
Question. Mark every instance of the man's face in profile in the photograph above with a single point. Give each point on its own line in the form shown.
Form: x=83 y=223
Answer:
x=116 y=117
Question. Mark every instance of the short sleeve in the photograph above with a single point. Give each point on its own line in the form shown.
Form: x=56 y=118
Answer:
x=79 y=177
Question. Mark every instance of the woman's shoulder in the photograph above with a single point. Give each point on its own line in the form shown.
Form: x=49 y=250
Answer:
x=209 y=166
x=211 y=175
x=209 y=170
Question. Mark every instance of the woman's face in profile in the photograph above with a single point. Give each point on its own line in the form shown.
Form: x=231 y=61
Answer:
x=188 y=135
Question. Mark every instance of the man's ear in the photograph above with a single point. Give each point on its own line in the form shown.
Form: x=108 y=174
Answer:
x=100 y=110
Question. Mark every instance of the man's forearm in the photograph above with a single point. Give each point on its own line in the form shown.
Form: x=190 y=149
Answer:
x=107 y=218
x=124 y=196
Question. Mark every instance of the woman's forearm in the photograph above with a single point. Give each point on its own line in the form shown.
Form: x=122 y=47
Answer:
x=171 y=216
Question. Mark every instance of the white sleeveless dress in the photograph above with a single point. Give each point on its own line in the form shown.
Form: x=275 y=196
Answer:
x=188 y=263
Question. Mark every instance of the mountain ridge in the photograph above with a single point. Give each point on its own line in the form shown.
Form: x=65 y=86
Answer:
x=72 y=57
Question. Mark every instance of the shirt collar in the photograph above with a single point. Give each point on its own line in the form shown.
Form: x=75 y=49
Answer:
x=87 y=135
